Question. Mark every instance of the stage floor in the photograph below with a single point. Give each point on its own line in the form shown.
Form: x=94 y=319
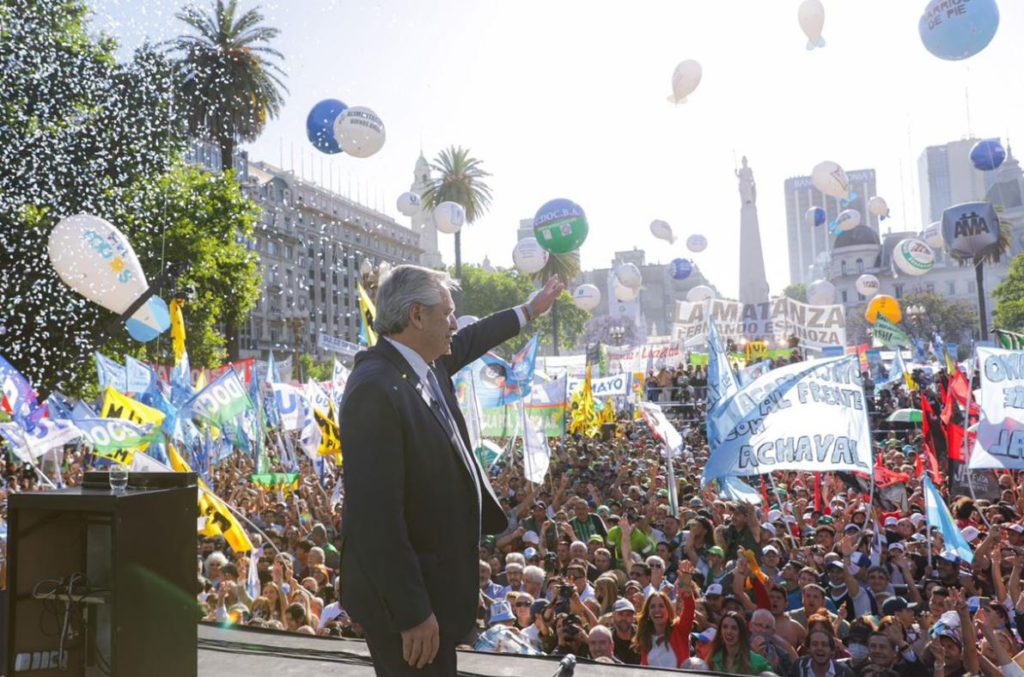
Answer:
x=246 y=653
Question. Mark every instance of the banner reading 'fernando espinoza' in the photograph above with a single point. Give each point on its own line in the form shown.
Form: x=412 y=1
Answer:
x=807 y=416
x=778 y=319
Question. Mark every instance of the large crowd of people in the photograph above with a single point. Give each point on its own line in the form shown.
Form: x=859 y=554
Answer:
x=596 y=562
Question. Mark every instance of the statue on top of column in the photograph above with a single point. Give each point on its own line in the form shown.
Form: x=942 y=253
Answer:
x=748 y=189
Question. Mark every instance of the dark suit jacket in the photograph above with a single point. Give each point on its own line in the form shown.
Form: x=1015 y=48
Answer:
x=411 y=520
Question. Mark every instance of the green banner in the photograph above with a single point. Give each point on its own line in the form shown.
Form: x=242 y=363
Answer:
x=701 y=359
x=890 y=335
x=502 y=421
x=273 y=481
x=1010 y=340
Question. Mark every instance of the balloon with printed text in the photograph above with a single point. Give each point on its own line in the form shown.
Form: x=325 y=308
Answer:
x=831 y=179
x=913 y=256
x=696 y=243
x=681 y=269
x=359 y=132
x=970 y=229
x=528 y=256
x=629 y=275
x=848 y=219
x=449 y=217
x=95 y=259
x=885 y=306
x=409 y=203
x=586 y=297
x=867 y=285
x=560 y=226
x=955 y=30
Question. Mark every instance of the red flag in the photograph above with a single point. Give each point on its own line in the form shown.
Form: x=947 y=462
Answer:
x=927 y=447
x=817 y=492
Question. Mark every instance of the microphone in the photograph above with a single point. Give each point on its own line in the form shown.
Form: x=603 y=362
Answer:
x=567 y=666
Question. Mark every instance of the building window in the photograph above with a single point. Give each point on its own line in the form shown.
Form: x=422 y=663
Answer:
x=289 y=251
x=860 y=266
x=842 y=295
x=951 y=287
x=897 y=291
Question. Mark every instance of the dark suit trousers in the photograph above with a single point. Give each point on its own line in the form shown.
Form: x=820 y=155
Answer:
x=386 y=651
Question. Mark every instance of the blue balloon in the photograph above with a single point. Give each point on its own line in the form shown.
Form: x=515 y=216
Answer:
x=988 y=154
x=958 y=30
x=815 y=216
x=320 y=125
x=681 y=269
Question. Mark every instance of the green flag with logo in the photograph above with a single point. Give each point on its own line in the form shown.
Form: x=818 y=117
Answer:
x=890 y=335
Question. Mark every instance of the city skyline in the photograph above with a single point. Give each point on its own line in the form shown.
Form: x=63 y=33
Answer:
x=579 y=120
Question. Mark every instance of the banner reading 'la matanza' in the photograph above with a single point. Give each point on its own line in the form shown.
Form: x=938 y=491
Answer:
x=778 y=319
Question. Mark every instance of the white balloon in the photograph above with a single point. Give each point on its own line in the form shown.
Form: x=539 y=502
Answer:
x=685 y=79
x=528 y=256
x=696 y=243
x=811 y=16
x=830 y=179
x=848 y=219
x=821 y=293
x=359 y=132
x=878 y=206
x=700 y=293
x=913 y=256
x=629 y=275
x=624 y=293
x=661 y=230
x=449 y=217
x=409 y=203
x=96 y=260
x=466 y=320
x=586 y=297
x=932 y=235
x=868 y=285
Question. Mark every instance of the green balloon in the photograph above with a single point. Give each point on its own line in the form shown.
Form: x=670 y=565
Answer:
x=560 y=226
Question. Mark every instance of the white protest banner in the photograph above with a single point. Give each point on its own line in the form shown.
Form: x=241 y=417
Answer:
x=536 y=453
x=664 y=431
x=659 y=351
x=318 y=397
x=1000 y=441
x=778 y=319
x=604 y=387
x=807 y=416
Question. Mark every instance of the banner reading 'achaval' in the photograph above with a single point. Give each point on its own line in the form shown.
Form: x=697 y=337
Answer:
x=807 y=416
x=778 y=319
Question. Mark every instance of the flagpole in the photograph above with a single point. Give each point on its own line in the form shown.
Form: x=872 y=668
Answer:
x=527 y=461
x=928 y=524
x=967 y=436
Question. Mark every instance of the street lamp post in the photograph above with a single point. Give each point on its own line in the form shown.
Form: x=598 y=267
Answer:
x=617 y=332
x=917 y=312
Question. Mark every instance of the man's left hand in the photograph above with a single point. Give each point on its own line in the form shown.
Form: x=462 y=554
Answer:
x=545 y=298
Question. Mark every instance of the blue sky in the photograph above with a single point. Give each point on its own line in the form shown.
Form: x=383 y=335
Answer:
x=566 y=98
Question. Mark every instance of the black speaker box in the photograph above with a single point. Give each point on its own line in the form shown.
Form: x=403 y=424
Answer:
x=101 y=583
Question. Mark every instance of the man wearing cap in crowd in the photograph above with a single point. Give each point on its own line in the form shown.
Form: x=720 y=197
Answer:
x=537 y=628
x=623 y=631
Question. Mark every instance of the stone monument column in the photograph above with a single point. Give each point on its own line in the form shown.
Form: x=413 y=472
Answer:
x=753 y=281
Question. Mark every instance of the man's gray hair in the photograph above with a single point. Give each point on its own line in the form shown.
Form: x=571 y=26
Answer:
x=533 y=574
x=602 y=631
x=404 y=286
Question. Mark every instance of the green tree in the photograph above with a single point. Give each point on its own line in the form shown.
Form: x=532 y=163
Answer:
x=566 y=267
x=318 y=371
x=78 y=133
x=206 y=221
x=1009 y=296
x=949 y=317
x=486 y=292
x=461 y=181
x=797 y=292
x=228 y=78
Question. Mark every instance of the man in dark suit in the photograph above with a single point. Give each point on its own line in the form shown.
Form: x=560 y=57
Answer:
x=416 y=498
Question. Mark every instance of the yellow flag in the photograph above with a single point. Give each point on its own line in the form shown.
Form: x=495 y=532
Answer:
x=330 y=440
x=116 y=405
x=368 y=312
x=219 y=520
x=177 y=330
x=201 y=381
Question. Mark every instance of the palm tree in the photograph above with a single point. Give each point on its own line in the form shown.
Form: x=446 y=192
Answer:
x=566 y=267
x=461 y=181
x=228 y=81
x=991 y=255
